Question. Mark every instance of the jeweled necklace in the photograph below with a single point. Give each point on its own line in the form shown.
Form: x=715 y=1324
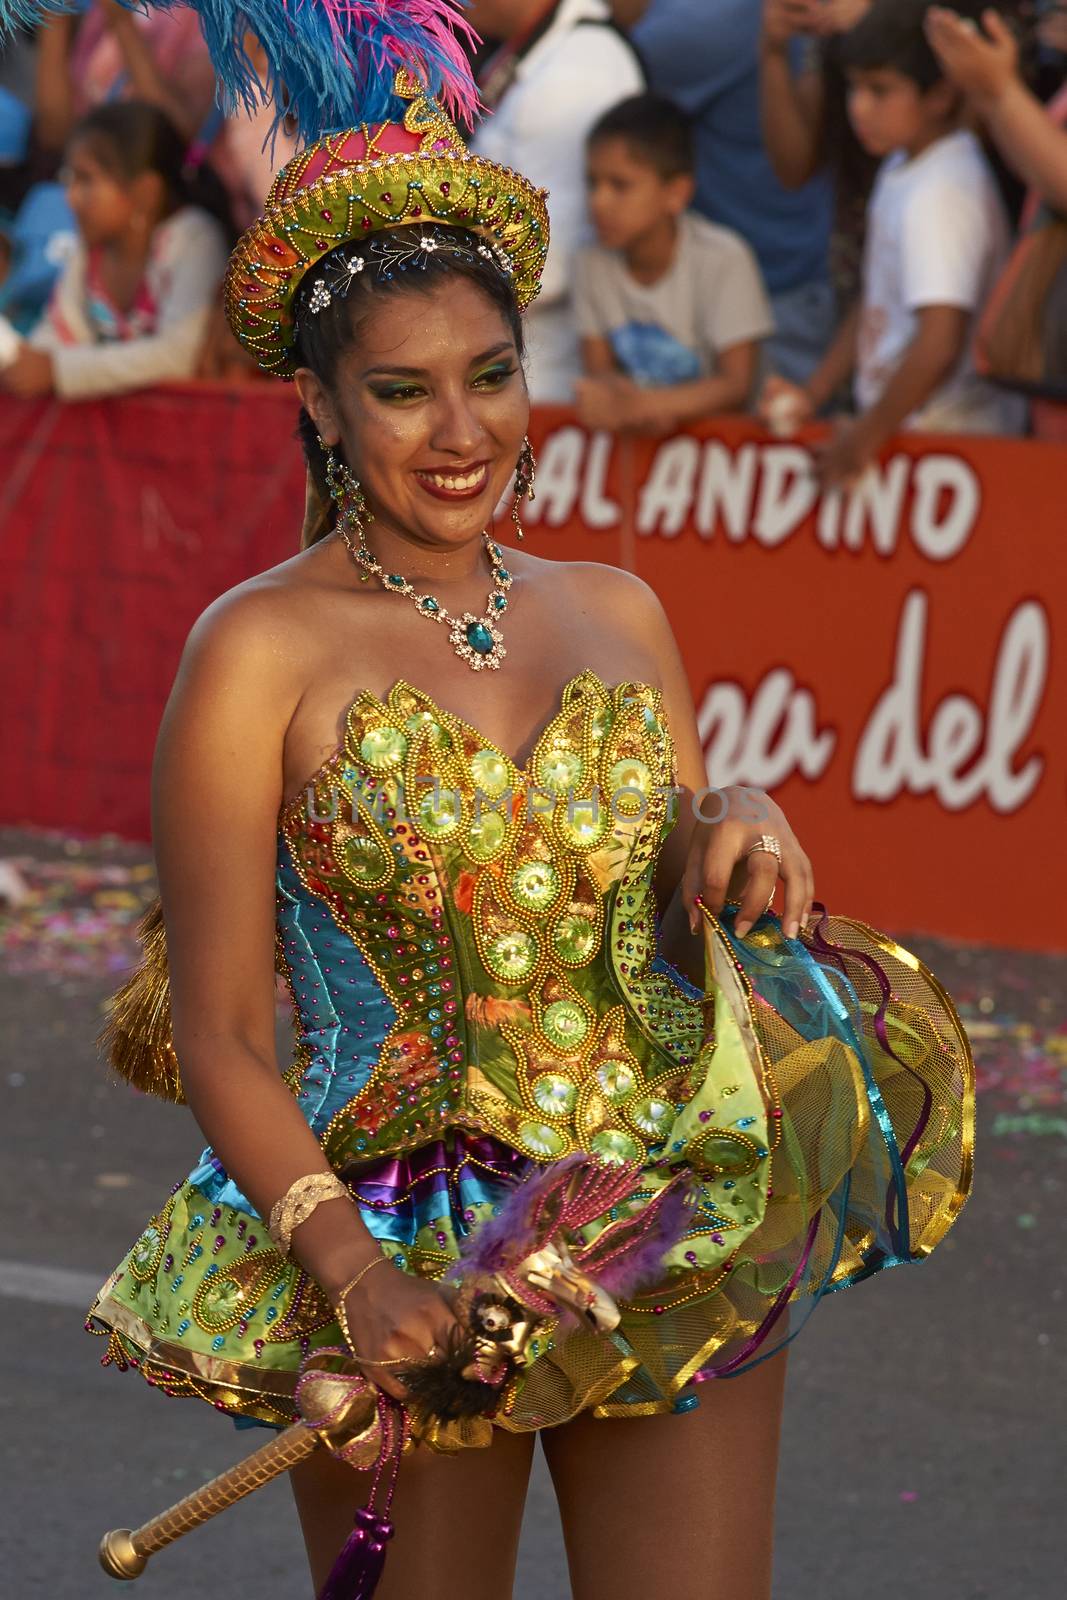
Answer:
x=476 y=640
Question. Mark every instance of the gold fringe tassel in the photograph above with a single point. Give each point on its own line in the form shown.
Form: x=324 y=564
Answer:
x=137 y=1038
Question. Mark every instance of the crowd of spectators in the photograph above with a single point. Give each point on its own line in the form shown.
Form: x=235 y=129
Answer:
x=801 y=208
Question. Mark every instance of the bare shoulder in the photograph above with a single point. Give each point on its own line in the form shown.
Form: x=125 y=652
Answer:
x=585 y=579
x=261 y=629
x=632 y=600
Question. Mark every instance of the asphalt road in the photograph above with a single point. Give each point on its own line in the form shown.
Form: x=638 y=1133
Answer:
x=923 y=1452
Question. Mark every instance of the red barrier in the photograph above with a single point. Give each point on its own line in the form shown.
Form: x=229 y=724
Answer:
x=886 y=664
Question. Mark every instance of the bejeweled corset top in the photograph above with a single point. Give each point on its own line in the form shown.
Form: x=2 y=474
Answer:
x=468 y=943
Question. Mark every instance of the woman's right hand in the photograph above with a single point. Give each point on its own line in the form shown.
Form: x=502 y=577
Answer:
x=394 y=1316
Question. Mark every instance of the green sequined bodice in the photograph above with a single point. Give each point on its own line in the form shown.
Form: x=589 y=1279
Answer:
x=507 y=917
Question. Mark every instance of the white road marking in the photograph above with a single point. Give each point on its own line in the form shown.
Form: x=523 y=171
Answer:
x=51 y=1286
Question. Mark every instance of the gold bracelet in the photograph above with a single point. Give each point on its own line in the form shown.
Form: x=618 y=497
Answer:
x=342 y=1322
x=299 y=1201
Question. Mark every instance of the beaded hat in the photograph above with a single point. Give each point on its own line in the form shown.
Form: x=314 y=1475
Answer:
x=353 y=184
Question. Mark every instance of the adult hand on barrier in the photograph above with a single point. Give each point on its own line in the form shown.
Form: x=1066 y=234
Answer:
x=783 y=407
x=843 y=458
x=616 y=403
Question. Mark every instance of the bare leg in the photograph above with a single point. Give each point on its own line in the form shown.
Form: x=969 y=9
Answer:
x=457 y=1519
x=679 y=1505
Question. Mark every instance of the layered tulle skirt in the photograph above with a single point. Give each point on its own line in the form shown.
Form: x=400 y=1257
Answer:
x=829 y=1135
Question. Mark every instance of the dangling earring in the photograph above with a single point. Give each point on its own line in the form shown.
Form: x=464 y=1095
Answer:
x=352 y=512
x=525 y=469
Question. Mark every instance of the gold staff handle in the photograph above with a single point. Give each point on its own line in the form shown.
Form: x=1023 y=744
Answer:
x=339 y=1410
x=124 y=1552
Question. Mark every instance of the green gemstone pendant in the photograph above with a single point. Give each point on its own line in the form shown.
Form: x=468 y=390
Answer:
x=474 y=639
x=477 y=641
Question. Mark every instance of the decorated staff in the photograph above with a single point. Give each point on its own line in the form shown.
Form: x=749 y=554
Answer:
x=527 y=1273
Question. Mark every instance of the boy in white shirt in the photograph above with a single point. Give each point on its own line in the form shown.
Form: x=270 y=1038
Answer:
x=937 y=238
x=671 y=308
x=560 y=64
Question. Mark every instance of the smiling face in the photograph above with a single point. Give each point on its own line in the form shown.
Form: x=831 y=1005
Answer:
x=429 y=407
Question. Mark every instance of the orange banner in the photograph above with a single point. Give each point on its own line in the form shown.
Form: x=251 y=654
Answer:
x=889 y=664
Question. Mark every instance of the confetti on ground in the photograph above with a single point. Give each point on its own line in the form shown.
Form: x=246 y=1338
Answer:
x=1014 y=1007
x=78 y=915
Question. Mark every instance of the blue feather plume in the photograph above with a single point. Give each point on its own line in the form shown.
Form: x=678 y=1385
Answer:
x=330 y=63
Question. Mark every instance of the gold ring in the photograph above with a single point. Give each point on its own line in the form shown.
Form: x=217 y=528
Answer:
x=770 y=844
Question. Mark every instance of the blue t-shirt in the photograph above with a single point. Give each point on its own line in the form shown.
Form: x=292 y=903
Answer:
x=704 y=55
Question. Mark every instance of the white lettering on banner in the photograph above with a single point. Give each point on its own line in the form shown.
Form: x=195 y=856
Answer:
x=891 y=757
x=763 y=492
x=762 y=744
x=788 y=490
x=667 y=493
x=948 y=484
x=877 y=501
x=597 y=511
x=727 y=484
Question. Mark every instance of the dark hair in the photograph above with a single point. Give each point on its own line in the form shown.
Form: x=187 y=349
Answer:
x=891 y=36
x=654 y=128
x=129 y=137
x=324 y=336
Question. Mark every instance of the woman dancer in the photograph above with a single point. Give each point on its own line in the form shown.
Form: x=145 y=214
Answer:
x=435 y=785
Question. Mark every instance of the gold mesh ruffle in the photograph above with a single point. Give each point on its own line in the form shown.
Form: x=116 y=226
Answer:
x=868 y=1083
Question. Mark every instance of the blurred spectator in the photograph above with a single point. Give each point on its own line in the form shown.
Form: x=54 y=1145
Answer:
x=1030 y=304
x=108 y=52
x=670 y=307
x=248 y=153
x=557 y=68
x=937 y=237
x=805 y=120
x=135 y=298
x=112 y=53
x=704 y=54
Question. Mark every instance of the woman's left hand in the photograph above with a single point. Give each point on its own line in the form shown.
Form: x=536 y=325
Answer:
x=720 y=869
